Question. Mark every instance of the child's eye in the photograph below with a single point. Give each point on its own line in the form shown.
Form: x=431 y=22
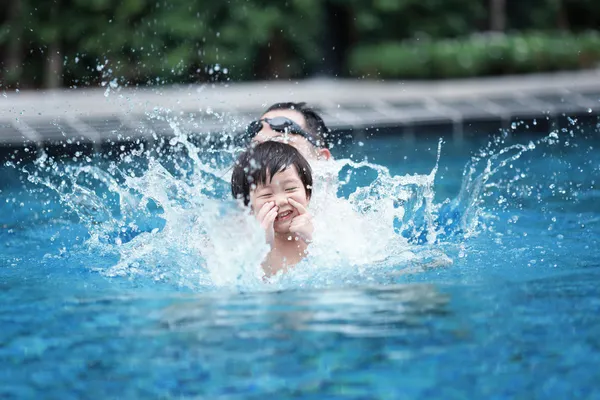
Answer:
x=291 y=189
x=264 y=195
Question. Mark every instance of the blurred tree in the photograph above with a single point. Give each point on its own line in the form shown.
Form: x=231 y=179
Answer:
x=87 y=42
x=272 y=39
x=52 y=37
x=180 y=40
x=337 y=38
x=498 y=15
x=405 y=19
x=13 y=31
x=477 y=55
x=582 y=14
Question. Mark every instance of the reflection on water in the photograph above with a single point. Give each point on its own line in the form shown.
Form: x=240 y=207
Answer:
x=360 y=312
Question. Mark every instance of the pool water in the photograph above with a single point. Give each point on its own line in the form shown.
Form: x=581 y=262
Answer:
x=515 y=313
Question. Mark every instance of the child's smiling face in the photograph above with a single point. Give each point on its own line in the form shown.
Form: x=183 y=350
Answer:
x=285 y=185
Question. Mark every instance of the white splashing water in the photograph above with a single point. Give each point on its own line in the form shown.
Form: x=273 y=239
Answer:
x=174 y=221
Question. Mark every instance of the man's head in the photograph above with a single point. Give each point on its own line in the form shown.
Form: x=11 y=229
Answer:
x=312 y=143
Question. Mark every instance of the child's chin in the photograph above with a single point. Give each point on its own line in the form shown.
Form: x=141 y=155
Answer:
x=282 y=228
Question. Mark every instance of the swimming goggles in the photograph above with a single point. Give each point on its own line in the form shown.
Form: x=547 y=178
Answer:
x=279 y=124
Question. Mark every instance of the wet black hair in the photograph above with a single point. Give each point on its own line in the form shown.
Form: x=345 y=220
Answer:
x=259 y=163
x=314 y=123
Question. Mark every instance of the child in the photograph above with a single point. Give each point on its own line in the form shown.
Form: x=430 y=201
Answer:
x=276 y=181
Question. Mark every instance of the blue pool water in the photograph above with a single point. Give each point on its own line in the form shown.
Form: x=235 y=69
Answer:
x=505 y=306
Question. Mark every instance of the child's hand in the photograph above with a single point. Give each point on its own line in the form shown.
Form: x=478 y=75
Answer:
x=266 y=217
x=302 y=224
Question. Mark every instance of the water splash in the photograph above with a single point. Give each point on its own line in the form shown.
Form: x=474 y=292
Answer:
x=173 y=221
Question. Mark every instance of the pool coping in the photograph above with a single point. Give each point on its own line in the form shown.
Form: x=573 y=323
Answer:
x=94 y=117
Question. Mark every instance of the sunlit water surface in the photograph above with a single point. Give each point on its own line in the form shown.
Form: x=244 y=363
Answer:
x=475 y=276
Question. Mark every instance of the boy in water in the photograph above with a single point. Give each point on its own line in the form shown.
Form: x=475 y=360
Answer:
x=275 y=180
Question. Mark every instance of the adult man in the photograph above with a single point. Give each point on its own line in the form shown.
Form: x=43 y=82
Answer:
x=296 y=124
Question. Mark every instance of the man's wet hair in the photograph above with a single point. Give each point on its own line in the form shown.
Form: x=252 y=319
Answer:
x=259 y=163
x=314 y=123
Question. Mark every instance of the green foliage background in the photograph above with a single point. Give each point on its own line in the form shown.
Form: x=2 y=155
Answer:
x=86 y=42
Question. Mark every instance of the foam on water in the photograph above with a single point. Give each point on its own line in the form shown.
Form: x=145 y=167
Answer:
x=173 y=220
